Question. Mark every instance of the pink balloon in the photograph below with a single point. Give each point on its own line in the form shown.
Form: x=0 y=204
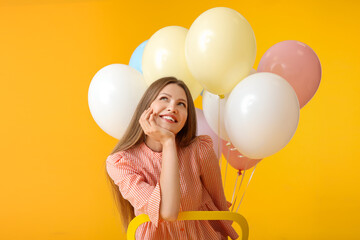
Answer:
x=234 y=159
x=298 y=64
x=203 y=128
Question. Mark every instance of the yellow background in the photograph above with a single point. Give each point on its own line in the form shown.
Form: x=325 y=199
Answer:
x=52 y=152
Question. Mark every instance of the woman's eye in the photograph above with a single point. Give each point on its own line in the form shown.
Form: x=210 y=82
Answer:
x=163 y=98
x=181 y=103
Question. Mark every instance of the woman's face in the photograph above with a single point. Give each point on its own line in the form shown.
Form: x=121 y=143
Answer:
x=171 y=108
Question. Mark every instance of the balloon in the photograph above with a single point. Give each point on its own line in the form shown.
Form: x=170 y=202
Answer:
x=164 y=56
x=252 y=71
x=236 y=159
x=136 y=57
x=203 y=128
x=261 y=115
x=298 y=64
x=220 y=49
x=210 y=103
x=113 y=95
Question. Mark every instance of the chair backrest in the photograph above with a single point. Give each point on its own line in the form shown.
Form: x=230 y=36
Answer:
x=195 y=215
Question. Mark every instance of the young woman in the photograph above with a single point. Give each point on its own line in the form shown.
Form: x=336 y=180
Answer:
x=160 y=168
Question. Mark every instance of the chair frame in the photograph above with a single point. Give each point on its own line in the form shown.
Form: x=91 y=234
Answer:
x=195 y=215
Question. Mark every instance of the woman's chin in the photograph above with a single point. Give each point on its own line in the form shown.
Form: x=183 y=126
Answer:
x=168 y=126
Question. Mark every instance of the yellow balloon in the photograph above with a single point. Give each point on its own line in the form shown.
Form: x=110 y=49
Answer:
x=220 y=49
x=164 y=55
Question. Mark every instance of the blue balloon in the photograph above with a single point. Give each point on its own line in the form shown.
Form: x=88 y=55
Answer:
x=136 y=57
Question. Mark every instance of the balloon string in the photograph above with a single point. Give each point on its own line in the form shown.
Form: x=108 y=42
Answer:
x=237 y=177
x=243 y=175
x=246 y=187
x=227 y=162
x=246 y=167
x=219 y=136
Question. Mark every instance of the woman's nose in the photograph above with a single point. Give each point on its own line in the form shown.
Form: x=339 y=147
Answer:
x=171 y=108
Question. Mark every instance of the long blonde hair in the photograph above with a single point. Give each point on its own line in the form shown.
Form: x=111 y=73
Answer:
x=135 y=135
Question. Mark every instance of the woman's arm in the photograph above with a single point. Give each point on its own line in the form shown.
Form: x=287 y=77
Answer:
x=170 y=176
x=170 y=182
x=133 y=186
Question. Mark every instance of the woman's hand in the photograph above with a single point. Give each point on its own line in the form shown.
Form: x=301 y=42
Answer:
x=152 y=129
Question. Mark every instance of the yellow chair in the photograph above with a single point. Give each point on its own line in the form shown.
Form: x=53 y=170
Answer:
x=194 y=215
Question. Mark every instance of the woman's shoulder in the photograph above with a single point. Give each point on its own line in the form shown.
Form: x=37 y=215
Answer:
x=115 y=157
x=202 y=141
x=123 y=155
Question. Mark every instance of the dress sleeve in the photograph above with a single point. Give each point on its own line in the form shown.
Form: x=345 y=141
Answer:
x=210 y=173
x=144 y=197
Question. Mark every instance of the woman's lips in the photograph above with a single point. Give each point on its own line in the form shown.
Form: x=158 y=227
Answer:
x=169 y=118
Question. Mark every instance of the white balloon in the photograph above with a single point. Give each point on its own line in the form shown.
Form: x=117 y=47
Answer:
x=261 y=115
x=210 y=104
x=114 y=93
